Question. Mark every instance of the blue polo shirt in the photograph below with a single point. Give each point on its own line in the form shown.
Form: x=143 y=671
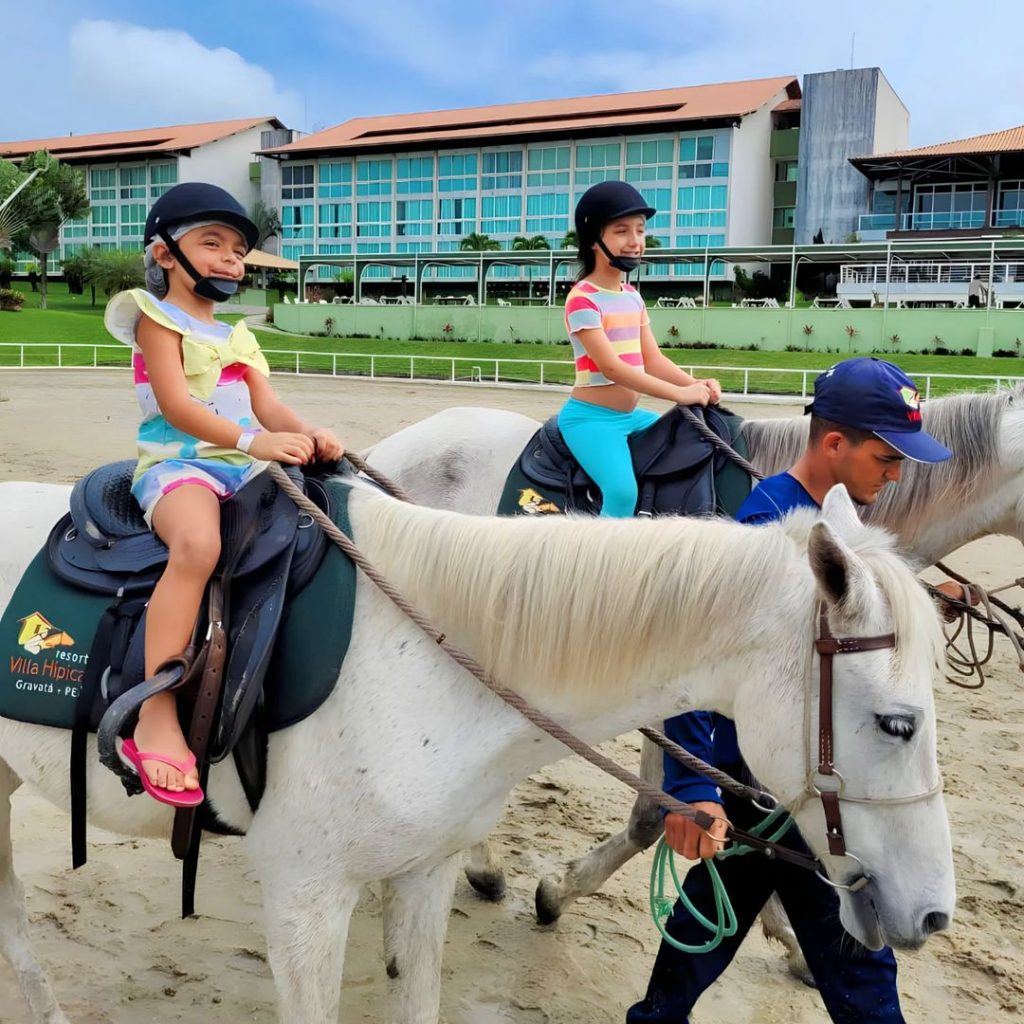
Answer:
x=709 y=735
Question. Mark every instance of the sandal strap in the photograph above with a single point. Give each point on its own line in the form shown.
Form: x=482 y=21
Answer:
x=182 y=766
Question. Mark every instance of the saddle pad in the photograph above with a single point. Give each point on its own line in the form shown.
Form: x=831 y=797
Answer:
x=47 y=629
x=315 y=631
x=45 y=635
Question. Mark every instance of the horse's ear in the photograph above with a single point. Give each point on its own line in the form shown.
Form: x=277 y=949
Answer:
x=842 y=577
x=840 y=513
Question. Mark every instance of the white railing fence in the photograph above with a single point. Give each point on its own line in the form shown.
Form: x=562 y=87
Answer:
x=739 y=381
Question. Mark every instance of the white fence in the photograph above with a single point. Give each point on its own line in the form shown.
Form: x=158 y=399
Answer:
x=738 y=381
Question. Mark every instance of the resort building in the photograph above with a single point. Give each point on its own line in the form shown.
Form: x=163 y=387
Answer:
x=707 y=157
x=961 y=189
x=126 y=172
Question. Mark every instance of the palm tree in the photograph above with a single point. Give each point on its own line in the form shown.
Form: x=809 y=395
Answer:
x=652 y=242
x=267 y=222
x=571 y=240
x=475 y=242
x=521 y=242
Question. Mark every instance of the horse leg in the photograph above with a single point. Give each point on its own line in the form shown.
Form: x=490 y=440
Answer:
x=588 y=873
x=416 y=909
x=307 y=927
x=485 y=872
x=14 y=942
x=776 y=926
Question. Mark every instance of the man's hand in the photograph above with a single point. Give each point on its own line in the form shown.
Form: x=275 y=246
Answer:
x=959 y=593
x=690 y=841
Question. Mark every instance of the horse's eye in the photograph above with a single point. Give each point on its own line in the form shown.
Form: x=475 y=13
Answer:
x=900 y=726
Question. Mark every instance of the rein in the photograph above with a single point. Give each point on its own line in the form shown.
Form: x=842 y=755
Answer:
x=534 y=715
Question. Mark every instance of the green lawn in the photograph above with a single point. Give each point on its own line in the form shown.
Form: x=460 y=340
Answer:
x=72 y=319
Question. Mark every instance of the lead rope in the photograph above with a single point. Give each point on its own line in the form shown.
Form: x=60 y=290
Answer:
x=532 y=714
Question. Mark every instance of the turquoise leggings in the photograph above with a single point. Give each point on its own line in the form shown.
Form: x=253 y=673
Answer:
x=599 y=437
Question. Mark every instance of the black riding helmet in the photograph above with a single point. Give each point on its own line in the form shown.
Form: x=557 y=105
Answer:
x=199 y=201
x=604 y=202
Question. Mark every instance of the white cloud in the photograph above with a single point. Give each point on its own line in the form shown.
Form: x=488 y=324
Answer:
x=141 y=77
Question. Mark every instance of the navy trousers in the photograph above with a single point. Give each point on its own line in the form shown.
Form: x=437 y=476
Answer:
x=858 y=986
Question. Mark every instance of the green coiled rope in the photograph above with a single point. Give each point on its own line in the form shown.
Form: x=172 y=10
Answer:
x=725 y=924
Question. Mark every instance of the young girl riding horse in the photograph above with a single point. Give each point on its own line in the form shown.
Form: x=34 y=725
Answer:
x=210 y=423
x=617 y=356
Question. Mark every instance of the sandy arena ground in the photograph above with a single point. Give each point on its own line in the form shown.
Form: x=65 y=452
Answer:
x=118 y=954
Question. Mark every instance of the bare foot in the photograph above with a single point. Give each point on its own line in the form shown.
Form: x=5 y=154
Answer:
x=159 y=732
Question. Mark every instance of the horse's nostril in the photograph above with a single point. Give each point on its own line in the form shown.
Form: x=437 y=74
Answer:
x=935 y=921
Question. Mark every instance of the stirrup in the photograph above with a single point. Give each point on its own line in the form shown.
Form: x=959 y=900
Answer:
x=171 y=675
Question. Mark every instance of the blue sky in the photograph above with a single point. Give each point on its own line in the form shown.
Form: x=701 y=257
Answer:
x=314 y=63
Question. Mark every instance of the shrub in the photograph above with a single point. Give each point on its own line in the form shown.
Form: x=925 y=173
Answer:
x=10 y=300
x=1005 y=353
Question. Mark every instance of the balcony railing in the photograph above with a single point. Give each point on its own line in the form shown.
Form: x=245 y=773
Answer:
x=939 y=221
x=929 y=273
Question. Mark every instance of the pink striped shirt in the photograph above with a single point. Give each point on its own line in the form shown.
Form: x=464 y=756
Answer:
x=620 y=314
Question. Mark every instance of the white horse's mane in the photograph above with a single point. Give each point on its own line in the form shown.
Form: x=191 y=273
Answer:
x=967 y=424
x=584 y=604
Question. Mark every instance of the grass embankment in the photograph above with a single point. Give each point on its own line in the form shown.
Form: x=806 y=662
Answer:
x=72 y=320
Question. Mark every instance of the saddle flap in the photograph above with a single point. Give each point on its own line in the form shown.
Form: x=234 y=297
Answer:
x=547 y=461
x=673 y=446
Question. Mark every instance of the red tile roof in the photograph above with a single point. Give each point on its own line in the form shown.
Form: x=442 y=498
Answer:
x=787 y=106
x=1009 y=141
x=142 y=143
x=653 y=108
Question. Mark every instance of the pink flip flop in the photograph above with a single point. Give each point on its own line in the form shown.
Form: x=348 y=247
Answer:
x=186 y=798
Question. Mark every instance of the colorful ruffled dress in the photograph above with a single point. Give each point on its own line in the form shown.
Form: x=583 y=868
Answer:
x=216 y=358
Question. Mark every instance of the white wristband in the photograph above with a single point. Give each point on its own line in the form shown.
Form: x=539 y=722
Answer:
x=245 y=440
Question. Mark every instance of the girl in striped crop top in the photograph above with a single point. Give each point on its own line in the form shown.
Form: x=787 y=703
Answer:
x=617 y=357
x=210 y=423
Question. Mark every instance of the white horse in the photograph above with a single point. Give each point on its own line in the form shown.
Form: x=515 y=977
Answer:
x=603 y=625
x=459 y=459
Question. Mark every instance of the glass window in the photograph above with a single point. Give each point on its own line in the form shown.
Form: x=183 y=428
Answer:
x=704 y=156
x=297 y=221
x=457 y=173
x=415 y=174
x=373 y=220
x=335 y=179
x=784 y=217
x=502 y=170
x=161 y=178
x=335 y=221
x=785 y=170
x=75 y=229
x=501 y=215
x=547 y=212
x=457 y=216
x=297 y=181
x=414 y=217
x=293 y=252
x=598 y=162
x=702 y=206
x=133 y=219
x=133 y=182
x=548 y=166
x=102 y=184
x=373 y=177
x=104 y=221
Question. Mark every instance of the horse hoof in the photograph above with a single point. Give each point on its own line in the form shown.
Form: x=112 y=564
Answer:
x=798 y=969
x=547 y=902
x=490 y=885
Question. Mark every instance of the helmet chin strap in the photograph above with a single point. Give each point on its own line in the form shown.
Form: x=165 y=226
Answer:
x=216 y=289
x=624 y=263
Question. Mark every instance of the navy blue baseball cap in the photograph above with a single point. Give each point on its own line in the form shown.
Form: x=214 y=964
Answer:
x=871 y=394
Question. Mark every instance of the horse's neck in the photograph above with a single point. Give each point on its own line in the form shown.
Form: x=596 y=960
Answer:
x=732 y=632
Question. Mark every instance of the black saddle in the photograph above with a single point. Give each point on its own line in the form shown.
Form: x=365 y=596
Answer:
x=269 y=551
x=678 y=471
